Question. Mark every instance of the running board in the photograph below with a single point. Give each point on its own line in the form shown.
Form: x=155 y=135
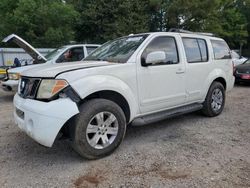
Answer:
x=152 y=118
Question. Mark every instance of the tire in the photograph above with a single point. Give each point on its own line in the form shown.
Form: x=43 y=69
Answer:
x=215 y=100
x=99 y=120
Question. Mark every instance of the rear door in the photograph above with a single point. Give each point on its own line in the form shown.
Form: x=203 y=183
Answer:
x=38 y=57
x=198 y=66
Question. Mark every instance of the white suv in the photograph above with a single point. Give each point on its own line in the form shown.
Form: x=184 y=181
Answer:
x=133 y=80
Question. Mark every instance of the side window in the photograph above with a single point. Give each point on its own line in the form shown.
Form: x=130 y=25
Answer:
x=203 y=49
x=90 y=49
x=196 y=50
x=77 y=53
x=166 y=45
x=72 y=54
x=221 y=50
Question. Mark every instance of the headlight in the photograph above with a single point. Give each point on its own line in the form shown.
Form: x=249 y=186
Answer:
x=13 y=76
x=48 y=88
x=2 y=74
x=2 y=71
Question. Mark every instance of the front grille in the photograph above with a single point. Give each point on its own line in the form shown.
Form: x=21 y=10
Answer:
x=28 y=87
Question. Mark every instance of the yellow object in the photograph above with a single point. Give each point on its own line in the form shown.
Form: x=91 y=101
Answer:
x=2 y=71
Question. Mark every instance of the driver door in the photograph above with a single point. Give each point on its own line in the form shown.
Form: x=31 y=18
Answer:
x=161 y=85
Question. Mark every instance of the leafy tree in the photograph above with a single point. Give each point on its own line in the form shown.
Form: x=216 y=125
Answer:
x=107 y=19
x=50 y=23
x=41 y=22
x=222 y=17
x=228 y=22
x=244 y=6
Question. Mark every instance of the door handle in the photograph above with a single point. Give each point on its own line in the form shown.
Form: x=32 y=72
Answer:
x=180 y=71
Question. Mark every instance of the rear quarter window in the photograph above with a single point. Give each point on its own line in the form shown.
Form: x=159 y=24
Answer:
x=221 y=50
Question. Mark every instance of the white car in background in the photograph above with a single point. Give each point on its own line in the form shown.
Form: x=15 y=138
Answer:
x=77 y=52
x=237 y=59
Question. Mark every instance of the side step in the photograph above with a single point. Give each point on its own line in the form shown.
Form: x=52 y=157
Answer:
x=151 y=118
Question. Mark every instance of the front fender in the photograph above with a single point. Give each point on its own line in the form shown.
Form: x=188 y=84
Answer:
x=91 y=84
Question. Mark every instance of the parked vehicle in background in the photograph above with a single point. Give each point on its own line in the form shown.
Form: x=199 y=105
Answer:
x=132 y=80
x=237 y=59
x=3 y=73
x=7 y=56
x=242 y=72
x=67 y=53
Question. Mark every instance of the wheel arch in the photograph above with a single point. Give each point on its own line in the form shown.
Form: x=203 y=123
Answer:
x=68 y=128
x=103 y=85
x=216 y=75
x=222 y=81
x=114 y=96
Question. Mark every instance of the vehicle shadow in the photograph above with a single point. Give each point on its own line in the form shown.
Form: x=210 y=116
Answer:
x=62 y=152
x=29 y=151
x=242 y=84
x=6 y=97
x=171 y=127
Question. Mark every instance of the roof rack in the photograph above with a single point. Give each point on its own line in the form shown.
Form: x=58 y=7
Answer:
x=190 y=32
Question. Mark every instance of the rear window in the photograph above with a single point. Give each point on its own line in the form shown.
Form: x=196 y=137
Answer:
x=196 y=50
x=221 y=50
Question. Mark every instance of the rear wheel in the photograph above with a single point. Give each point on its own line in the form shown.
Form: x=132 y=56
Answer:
x=215 y=100
x=99 y=128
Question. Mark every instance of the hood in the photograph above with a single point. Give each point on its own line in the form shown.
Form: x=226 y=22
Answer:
x=51 y=71
x=37 y=56
x=24 y=68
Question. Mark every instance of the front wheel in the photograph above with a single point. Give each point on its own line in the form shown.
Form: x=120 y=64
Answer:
x=215 y=100
x=99 y=128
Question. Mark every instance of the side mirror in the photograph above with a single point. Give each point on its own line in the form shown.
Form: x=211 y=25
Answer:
x=154 y=58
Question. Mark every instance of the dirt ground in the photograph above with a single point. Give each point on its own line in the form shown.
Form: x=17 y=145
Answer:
x=186 y=151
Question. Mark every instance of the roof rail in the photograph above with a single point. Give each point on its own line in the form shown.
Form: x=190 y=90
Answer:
x=190 y=32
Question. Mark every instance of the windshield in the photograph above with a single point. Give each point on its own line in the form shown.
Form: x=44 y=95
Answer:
x=54 y=53
x=118 y=50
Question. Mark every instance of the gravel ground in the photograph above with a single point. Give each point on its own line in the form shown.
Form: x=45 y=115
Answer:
x=187 y=151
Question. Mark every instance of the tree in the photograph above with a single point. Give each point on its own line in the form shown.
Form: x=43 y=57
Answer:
x=228 y=22
x=244 y=7
x=107 y=19
x=43 y=23
x=224 y=18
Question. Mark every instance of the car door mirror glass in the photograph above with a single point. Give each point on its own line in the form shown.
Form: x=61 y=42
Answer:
x=155 y=57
